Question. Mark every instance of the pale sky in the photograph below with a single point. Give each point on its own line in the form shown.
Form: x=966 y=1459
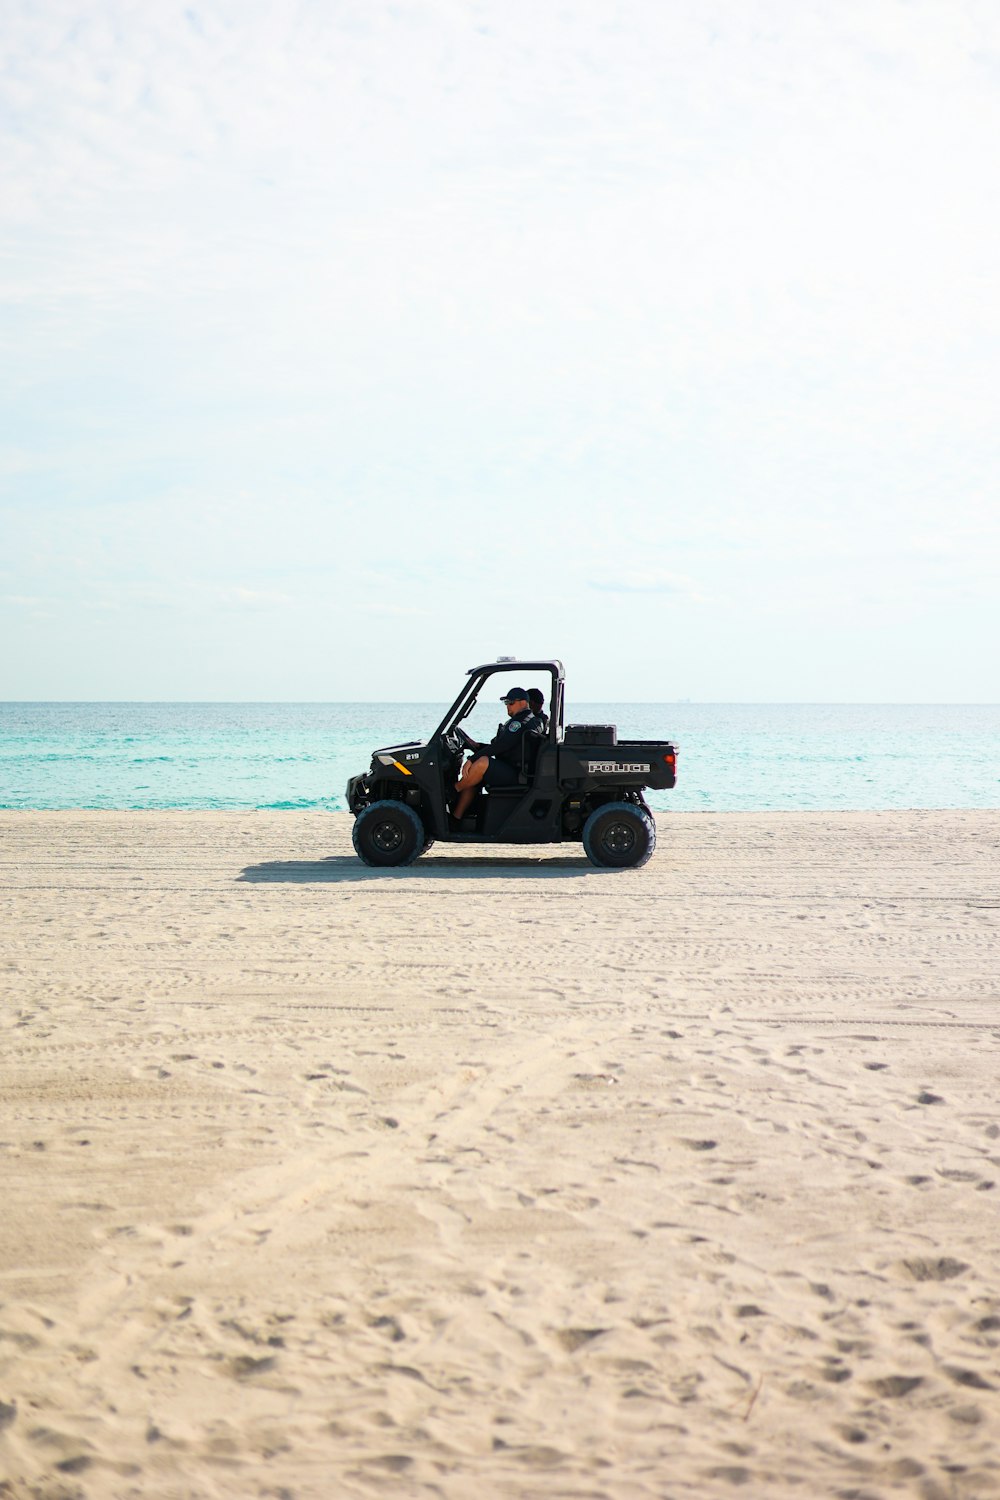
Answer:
x=349 y=343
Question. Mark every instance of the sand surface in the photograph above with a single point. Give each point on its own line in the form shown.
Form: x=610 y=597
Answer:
x=499 y=1176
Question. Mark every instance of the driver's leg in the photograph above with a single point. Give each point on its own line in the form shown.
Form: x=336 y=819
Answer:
x=465 y=771
x=472 y=774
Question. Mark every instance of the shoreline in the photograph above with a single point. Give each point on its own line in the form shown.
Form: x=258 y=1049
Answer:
x=499 y=1173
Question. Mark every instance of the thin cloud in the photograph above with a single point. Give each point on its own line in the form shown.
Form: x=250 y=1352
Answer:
x=241 y=598
x=650 y=581
x=394 y=611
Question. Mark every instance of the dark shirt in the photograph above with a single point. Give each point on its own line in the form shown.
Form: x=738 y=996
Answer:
x=513 y=740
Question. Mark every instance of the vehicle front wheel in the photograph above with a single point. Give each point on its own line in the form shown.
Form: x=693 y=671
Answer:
x=619 y=836
x=388 y=833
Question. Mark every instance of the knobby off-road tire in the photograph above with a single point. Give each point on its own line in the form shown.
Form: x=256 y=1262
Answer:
x=619 y=836
x=388 y=833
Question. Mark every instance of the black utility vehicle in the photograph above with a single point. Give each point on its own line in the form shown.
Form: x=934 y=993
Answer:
x=576 y=783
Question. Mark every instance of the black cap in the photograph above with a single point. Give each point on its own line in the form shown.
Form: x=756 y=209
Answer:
x=513 y=694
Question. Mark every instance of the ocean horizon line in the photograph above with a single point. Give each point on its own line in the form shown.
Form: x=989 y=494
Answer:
x=428 y=702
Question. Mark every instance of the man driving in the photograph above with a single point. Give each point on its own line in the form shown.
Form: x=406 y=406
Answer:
x=498 y=763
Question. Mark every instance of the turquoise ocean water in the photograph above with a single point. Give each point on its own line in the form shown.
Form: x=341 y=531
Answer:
x=299 y=755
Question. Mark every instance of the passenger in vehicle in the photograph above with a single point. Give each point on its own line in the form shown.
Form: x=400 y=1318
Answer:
x=501 y=760
x=536 y=702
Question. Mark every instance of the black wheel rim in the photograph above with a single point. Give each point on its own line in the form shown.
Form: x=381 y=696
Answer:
x=619 y=838
x=387 y=837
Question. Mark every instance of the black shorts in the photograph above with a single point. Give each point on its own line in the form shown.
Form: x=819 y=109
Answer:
x=500 y=773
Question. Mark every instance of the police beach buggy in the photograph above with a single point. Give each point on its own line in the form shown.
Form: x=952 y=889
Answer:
x=539 y=781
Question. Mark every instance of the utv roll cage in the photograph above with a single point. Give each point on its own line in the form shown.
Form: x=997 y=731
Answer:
x=469 y=696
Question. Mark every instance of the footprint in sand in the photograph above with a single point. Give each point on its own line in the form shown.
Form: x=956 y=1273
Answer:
x=851 y=1434
x=572 y=1339
x=390 y=1327
x=894 y=1386
x=969 y=1416
x=968 y=1377
x=933 y=1268
x=245 y=1366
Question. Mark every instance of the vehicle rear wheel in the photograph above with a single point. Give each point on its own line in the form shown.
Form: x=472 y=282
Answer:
x=388 y=833
x=619 y=836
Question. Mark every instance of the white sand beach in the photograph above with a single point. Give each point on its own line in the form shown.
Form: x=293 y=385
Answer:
x=499 y=1175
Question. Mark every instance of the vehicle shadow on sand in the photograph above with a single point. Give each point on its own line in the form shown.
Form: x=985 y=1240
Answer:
x=338 y=868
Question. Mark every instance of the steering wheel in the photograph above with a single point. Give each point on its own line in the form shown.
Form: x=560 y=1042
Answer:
x=457 y=739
